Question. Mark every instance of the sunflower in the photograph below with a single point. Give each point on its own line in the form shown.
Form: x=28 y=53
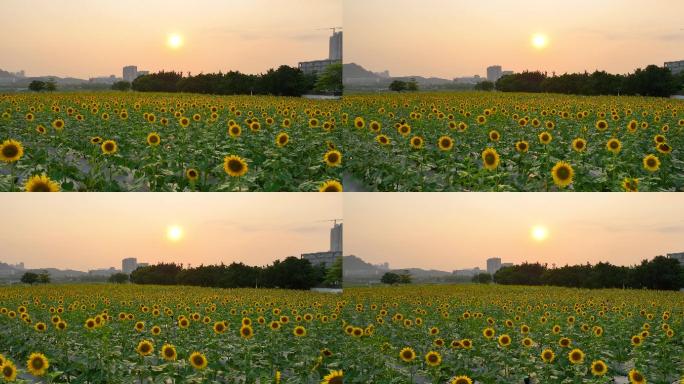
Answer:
x=156 y=330
x=664 y=148
x=461 y=380
x=313 y=122
x=651 y=163
x=522 y=146
x=333 y=158
x=404 y=130
x=41 y=129
x=96 y=140
x=109 y=147
x=282 y=139
x=145 y=348
x=564 y=342
x=359 y=122
x=504 y=340
x=40 y=326
x=299 y=331
x=382 y=139
x=184 y=122
x=234 y=130
x=490 y=159
x=562 y=174
x=547 y=355
x=11 y=151
x=334 y=377
x=198 y=360
x=58 y=124
x=9 y=371
x=417 y=142
x=545 y=138
x=527 y=342
x=445 y=143
x=235 y=166
x=601 y=125
x=330 y=186
x=576 y=356
x=614 y=145
x=407 y=354
x=635 y=377
x=219 y=327
x=433 y=358
x=494 y=135
x=192 y=174
x=153 y=139
x=488 y=332
x=630 y=184
x=579 y=145
x=598 y=368
x=636 y=340
x=467 y=343
x=37 y=364
x=246 y=332
x=40 y=183
x=168 y=352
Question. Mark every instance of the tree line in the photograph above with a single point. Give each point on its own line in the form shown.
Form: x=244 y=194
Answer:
x=661 y=273
x=284 y=81
x=290 y=273
x=651 y=81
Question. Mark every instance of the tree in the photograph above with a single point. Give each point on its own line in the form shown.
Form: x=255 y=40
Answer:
x=484 y=86
x=482 y=278
x=334 y=275
x=118 y=278
x=37 y=86
x=398 y=86
x=29 y=278
x=121 y=86
x=389 y=278
x=330 y=81
x=50 y=85
x=405 y=277
x=44 y=277
x=412 y=85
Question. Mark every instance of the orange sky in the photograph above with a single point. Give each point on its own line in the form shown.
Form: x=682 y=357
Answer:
x=461 y=230
x=87 y=38
x=451 y=38
x=97 y=230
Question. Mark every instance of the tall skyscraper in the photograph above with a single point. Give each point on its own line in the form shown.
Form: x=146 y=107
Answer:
x=129 y=265
x=130 y=73
x=335 y=48
x=336 y=238
x=494 y=73
x=493 y=265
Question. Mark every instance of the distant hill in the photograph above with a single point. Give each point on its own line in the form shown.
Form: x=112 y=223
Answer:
x=356 y=270
x=355 y=77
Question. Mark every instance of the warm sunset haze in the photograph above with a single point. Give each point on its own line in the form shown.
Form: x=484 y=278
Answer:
x=98 y=230
x=461 y=230
x=449 y=38
x=87 y=38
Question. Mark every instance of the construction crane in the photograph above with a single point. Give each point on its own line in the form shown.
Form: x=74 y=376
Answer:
x=334 y=29
x=333 y=220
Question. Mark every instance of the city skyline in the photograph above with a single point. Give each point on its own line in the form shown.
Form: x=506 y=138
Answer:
x=462 y=38
x=181 y=38
x=449 y=231
x=96 y=231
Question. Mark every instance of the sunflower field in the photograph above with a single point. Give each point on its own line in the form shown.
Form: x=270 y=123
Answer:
x=464 y=334
x=513 y=142
x=168 y=142
x=159 y=334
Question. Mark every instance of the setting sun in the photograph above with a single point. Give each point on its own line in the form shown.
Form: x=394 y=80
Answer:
x=539 y=233
x=540 y=41
x=175 y=41
x=174 y=233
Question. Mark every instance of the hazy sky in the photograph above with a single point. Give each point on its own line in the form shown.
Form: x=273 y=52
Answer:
x=461 y=230
x=97 y=230
x=85 y=38
x=451 y=38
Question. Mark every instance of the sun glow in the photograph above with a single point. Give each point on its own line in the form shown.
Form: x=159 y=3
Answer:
x=175 y=41
x=539 y=233
x=540 y=41
x=174 y=233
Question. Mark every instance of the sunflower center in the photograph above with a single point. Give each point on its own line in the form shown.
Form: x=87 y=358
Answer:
x=37 y=363
x=198 y=360
x=651 y=162
x=563 y=173
x=235 y=165
x=490 y=158
x=333 y=156
x=10 y=150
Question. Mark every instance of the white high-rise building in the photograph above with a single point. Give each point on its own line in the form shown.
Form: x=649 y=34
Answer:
x=335 y=48
x=493 y=265
x=677 y=256
x=130 y=73
x=494 y=73
x=336 y=238
x=129 y=265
